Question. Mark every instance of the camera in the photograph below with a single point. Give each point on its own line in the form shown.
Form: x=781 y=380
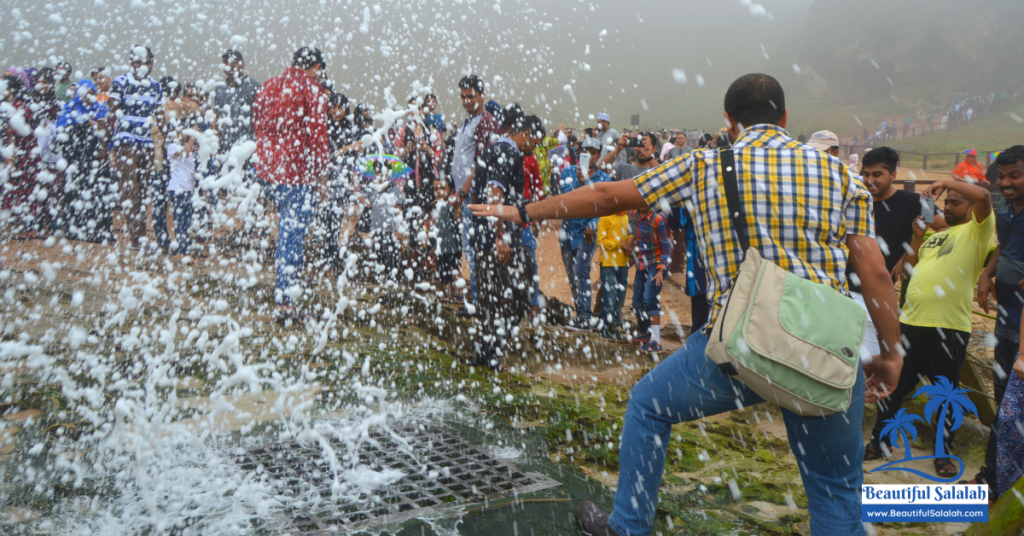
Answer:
x=635 y=141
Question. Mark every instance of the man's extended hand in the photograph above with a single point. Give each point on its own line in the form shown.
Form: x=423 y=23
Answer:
x=588 y=235
x=628 y=244
x=1018 y=367
x=919 y=227
x=882 y=375
x=659 y=277
x=985 y=289
x=502 y=250
x=502 y=212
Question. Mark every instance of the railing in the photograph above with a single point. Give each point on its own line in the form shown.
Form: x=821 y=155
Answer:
x=846 y=150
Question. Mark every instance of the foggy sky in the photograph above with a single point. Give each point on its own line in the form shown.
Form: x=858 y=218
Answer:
x=528 y=51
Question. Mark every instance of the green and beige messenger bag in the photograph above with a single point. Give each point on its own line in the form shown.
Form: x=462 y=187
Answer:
x=792 y=341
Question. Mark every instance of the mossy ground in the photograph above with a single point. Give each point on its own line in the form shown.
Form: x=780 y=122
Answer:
x=414 y=346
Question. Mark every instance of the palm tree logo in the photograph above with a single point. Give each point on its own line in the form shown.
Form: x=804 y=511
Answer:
x=947 y=401
x=902 y=422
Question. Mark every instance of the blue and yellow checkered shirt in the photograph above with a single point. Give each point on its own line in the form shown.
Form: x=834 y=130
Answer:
x=800 y=205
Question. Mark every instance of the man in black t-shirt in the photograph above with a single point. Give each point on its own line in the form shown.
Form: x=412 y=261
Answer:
x=895 y=211
x=504 y=268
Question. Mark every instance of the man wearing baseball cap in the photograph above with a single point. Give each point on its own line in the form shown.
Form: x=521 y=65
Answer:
x=577 y=239
x=826 y=142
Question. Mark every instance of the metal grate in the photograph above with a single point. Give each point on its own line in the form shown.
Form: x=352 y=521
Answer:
x=465 y=474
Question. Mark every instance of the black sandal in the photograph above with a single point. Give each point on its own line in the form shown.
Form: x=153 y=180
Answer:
x=873 y=452
x=945 y=468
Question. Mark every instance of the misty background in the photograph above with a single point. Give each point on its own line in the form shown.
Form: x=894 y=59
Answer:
x=668 y=60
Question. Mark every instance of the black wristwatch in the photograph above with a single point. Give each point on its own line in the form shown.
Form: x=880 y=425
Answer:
x=523 y=215
x=463 y=194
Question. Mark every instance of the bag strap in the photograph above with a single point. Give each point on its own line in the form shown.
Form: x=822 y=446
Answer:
x=732 y=198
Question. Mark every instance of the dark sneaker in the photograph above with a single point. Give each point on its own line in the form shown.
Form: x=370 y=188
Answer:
x=651 y=347
x=463 y=312
x=618 y=336
x=594 y=519
x=288 y=317
x=640 y=339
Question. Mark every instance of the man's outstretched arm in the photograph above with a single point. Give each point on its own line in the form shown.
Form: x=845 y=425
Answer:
x=866 y=260
x=593 y=201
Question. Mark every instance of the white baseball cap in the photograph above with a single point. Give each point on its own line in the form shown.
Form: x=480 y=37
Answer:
x=823 y=140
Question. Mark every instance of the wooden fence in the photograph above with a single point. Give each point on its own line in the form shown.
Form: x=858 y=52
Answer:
x=985 y=158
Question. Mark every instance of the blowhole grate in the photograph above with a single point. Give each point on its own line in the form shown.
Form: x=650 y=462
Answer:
x=465 y=474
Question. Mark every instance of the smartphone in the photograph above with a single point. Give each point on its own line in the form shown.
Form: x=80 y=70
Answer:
x=585 y=164
x=928 y=209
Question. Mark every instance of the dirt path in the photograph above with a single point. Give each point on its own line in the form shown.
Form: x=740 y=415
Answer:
x=554 y=283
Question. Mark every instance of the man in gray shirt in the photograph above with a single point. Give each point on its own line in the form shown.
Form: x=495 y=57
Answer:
x=478 y=131
x=232 y=102
x=680 y=148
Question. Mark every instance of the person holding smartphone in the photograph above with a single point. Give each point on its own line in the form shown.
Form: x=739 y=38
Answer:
x=895 y=210
x=645 y=144
x=577 y=236
x=935 y=323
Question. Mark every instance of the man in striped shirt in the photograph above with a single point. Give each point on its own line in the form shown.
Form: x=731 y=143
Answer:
x=805 y=213
x=134 y=106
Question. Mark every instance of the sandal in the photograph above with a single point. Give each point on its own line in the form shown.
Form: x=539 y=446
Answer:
x=873 y=451
x=945 y=468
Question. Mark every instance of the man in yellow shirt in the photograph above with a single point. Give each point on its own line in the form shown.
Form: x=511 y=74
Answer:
x=612 y=235
x=936 y=320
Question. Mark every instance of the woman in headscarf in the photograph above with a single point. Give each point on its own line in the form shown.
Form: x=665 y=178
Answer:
x=22 y=201
x=969 y=170
x=89 y=193
x=705 y=140
x=45 y=108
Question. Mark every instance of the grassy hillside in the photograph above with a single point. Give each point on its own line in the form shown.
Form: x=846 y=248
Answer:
x=992 y=133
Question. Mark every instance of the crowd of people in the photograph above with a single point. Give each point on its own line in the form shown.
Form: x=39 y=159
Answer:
x=418 y=194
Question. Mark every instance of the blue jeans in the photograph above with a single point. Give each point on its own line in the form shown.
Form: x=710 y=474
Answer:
x=530 y=243
x=645 y=299
x=295 y=207
x=614 y=280
x=467 y=248
x=688 y=386
x=182 y=221
x=577 y=268
x=158 y=189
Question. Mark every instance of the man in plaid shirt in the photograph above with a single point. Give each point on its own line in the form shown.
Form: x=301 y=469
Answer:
x=807 y=214
x=653 y=245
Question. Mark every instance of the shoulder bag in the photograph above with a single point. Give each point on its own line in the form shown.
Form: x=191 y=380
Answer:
x=791 y=340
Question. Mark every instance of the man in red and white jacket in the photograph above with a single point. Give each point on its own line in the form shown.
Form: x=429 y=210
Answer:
x=292 y=154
